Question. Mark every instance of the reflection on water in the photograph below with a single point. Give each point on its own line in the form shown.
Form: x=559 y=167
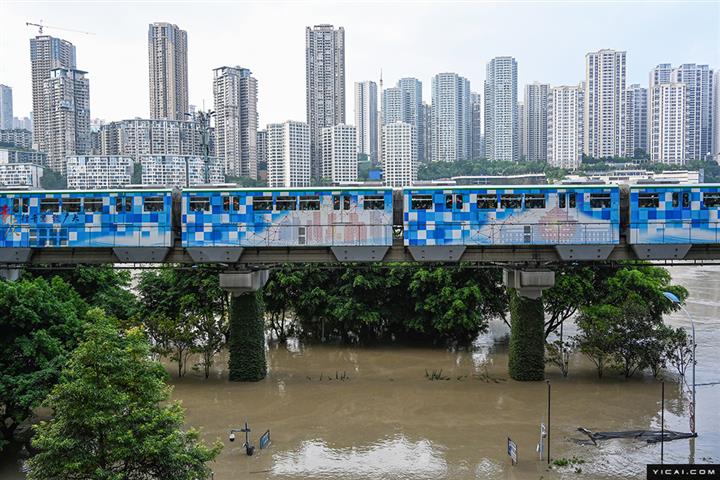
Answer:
x=387 y=420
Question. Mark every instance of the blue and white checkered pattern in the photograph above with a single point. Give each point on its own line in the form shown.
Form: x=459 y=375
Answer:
x=551 y=225
x=242 y=226
x=28 y=226
x=671 y=222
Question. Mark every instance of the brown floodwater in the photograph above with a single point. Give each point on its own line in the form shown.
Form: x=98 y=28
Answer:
x=386 y=419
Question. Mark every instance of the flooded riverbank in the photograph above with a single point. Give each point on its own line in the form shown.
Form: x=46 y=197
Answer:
x=386 y=419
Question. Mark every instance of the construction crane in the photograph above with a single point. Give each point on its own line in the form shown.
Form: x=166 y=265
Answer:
x=41 y=26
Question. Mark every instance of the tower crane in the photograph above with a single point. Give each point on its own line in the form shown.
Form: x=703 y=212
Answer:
x=41 y=26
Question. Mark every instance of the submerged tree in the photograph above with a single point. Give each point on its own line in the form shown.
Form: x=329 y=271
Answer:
x=111 y=416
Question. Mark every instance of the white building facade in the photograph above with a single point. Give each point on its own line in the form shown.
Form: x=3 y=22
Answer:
x=535 y=120
x=339 y=149
x=168 y=65
x=400 y=163
x=564 y=137
x=501 y=110
x=181 y=170
x=668 y=141
x=451 y=118
x=605 y=104
x=289 y=154
x=20 y=174
x=94 y=172
x=366 y=119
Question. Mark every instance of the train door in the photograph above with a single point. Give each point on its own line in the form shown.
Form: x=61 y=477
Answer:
x=457 y=228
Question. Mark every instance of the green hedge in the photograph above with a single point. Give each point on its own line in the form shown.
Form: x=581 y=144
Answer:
x=247 y=338
x=527 y=338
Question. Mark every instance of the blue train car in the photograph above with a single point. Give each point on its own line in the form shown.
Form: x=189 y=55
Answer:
x=275 y=217
x=118 y=218
x=674 y=214
x=512 y=215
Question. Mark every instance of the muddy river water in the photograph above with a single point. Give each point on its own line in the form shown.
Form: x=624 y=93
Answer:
x=387 y=420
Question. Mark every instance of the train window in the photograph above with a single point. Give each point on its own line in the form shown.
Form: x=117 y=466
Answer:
x=20 y=205
x=226 y=203
x=156 y=204
x=572 y=200
x=561 y=200
x=711 y=199
x=510 y=200
x=374 y=202
x=448 y=202
x=118 y=204
x=487 y=202
x=199 y=204
x=93 y=205
x=336 y=202
x=421 y=202
x=346 y=202
x=599 y=200
x=49 y=205
x=534 y=200
x=262 y=203
x=686 y=199
x=236 y=203
x=71 y=205
x=458 y=201
x=648 y=200
x=310 y=202
x=286 y=203
x=675 y=199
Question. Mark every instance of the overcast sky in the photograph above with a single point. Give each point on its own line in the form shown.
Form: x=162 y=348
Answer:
x=549 y=39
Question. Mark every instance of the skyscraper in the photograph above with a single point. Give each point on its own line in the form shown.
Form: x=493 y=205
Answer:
x=535 y=127
x=501 y=115
x=451 y=118
x=476 y=151
x=637 y=119
x=428 y=127
x=339 y=160
x=699 y=104
x=262 y=148
x=288 y=154
x=564 y=137
x=411 y=110
x=167 y=55
x=67 y=97
x=605 y=106
x=400 y=164
x=391 y=105
x=716 y=115
x=668 y=142
x=236 y=120
x=46 y=54
x=6 y=108
x=521 y=131
x=366 y=119
x=325 y=85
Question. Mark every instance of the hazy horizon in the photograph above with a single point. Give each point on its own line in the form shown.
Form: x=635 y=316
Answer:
x=404 y=39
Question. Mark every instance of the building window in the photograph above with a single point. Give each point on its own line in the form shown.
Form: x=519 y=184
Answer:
x=199 y=204
x=153 y=204
x=374 y=202
x=422 y=202
x=262 y=203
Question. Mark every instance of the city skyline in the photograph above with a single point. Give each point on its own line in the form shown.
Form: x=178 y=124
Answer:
x=399 y=49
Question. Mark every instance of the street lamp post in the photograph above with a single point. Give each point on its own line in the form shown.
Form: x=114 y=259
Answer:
x=673 y=298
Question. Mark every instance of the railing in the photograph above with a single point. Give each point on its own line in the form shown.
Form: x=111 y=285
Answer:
x=129 y=235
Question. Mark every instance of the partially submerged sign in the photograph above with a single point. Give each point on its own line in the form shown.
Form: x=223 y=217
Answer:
x=512 y=451
x=264 y=440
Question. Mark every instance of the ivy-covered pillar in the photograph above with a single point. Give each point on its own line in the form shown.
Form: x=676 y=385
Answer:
x=527 y=338
x=526 y=360
x=246 y=344
x=247 y=338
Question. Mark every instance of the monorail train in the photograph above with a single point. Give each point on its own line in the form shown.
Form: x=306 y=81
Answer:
x=354 y=216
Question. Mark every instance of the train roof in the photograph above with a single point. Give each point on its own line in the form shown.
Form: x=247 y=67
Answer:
x=97 y=191
x=514 y=187
x=286 y=189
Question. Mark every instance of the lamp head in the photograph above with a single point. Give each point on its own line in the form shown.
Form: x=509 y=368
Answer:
x=232 y=436
x=672 y=297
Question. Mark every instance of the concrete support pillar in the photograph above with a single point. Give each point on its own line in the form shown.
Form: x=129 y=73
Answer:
x=247 y=326
x=527 y=318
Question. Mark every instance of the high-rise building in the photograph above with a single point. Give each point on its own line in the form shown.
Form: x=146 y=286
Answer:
x=522 y=131
x=141 y=137
x=476 y=152
x=17 y=138
x=288 y=154
x=565 y=124
x=660 y=74
x=605 y=105
x=366 y=119
x=501 y=115
x=325 y=87
x=262 y=148
x=637 y=119
x=716 y=115
x=167 y=60
x=24 y=123
x=22 y=155
x=392 y=105
x=451 y=118
x=19 y=174
x=428 y=127
x=181 y=170
x=46 y=54
x=698 y=80
x=400 y=163
x=67 y=96
x=411 y=110
x=668 y=141
x=339 y=160
x=6 y=108
x=91 y=172
x=236 y=120
x=535 y=121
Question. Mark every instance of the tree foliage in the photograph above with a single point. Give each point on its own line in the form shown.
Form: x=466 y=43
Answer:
x=41 y=322
x=438 y=170
x=111 y=416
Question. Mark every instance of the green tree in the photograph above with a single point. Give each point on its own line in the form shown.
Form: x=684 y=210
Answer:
x=41 y=322
x=111 y=416
x=52 y=180
x=596 y=338
x=574 y=287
